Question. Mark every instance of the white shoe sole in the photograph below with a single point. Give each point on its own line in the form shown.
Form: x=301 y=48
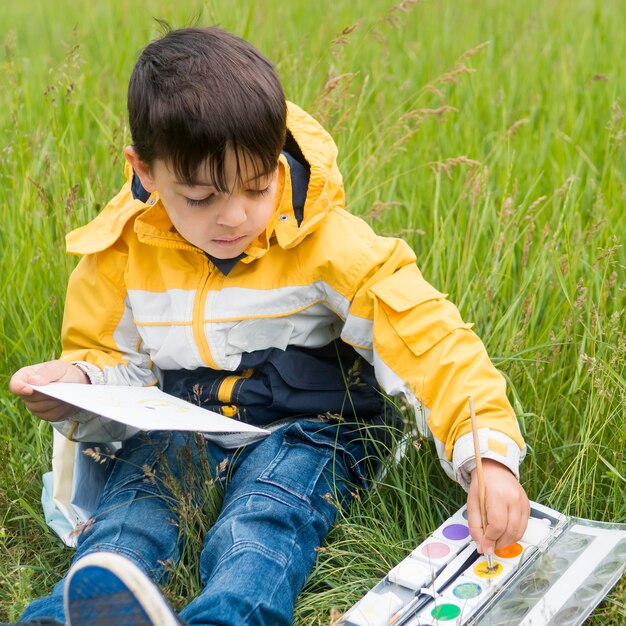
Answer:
x=147 y=594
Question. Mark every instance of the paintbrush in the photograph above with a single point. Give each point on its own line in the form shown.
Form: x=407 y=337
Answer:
x=480 y=476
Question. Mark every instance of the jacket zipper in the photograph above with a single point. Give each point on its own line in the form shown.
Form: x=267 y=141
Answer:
x=199 y=307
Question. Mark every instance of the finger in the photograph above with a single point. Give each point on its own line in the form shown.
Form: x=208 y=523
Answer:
x=59 y=413
x=517 y=522
x=474 y=518
x=510 y=534
x=497 y=523
x=41 y=402
x=51 y=411
x=50 y=372
x=19 y=383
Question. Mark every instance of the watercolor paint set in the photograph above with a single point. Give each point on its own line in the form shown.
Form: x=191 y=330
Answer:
x=554 y=576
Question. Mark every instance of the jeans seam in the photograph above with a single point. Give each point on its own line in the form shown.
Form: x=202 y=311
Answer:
x=242 y=544
x=290 y=558
x=285 y=568
x=291 y=500
x=127 y=552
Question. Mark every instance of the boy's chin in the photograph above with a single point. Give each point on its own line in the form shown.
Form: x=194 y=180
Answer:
x=223 y=255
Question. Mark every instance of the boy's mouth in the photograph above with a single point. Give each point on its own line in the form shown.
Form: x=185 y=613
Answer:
x=230 y=241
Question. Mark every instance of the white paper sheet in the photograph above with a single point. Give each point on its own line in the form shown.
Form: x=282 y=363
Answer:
x=146 y=408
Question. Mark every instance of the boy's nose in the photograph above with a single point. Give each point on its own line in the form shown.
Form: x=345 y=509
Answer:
x=232 y=215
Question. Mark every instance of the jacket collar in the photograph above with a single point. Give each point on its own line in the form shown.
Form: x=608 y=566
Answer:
x=309 y=187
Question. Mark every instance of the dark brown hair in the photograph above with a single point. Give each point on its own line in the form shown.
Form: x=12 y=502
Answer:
x=196 y=93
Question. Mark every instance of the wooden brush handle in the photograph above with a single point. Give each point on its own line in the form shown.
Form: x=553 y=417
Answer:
x=479 y=465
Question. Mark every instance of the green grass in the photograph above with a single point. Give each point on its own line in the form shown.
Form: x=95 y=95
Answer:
x=491 y=135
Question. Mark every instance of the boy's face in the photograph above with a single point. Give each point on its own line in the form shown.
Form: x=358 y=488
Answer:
x=221 y=224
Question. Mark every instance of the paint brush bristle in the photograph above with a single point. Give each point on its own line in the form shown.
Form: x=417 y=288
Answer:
x=491 y=566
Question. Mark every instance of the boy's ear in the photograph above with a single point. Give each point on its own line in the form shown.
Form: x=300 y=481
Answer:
x=141 y=169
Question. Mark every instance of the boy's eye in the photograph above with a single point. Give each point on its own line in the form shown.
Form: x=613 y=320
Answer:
x=202 y=201
x=260 y=192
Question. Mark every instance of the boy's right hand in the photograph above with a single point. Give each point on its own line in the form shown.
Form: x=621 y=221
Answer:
x=40 y=405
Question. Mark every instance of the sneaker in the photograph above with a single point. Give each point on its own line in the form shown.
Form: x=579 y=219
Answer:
x=106 y=589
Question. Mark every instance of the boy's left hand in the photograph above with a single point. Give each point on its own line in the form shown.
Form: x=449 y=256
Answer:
x=507 y=507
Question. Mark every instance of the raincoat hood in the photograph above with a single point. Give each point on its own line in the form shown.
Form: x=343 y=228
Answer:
x=309 y=158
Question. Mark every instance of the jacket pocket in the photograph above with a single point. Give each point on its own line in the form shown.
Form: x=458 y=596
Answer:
x=313 y=465
x=417 y=312
x=297 y=466
x=259 y=334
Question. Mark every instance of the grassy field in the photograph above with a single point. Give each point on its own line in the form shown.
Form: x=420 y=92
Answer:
x=490 y=134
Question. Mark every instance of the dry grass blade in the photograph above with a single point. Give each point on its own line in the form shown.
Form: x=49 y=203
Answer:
x=447 y=165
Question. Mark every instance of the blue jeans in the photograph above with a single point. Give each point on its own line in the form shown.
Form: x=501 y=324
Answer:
x=281 y=497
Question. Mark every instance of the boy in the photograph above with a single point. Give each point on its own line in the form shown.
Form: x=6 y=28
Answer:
x=226 y=271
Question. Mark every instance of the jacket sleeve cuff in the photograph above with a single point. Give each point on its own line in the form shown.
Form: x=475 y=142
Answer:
x=493 y=445
x=88 y=426
x=93 y=372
